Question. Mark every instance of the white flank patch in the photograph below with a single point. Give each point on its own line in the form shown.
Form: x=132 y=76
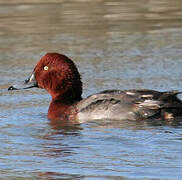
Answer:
x=130 y=93
x=150 y=104
x=147 y=96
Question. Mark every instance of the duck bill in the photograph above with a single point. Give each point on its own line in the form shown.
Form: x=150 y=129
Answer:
x=30 y=82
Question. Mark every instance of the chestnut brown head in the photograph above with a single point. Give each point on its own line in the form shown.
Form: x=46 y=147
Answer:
x=58 y=75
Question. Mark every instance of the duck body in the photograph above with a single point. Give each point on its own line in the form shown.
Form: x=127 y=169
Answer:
x=59 y=76
x=130 y=104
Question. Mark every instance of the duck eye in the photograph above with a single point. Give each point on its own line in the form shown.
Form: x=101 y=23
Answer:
x=46 y=68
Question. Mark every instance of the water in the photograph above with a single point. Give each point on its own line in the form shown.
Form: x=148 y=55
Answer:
x=116 y=45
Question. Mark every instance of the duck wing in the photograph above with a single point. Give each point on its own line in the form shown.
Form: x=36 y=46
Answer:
x=130 y=104
x=155 y=104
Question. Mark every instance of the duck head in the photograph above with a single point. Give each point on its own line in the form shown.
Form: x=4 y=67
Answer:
x=58 y=75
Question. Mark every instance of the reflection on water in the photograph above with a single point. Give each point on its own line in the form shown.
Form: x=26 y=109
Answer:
x=116 y=45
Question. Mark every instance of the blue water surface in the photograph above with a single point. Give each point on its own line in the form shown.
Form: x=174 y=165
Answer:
x=116 y=45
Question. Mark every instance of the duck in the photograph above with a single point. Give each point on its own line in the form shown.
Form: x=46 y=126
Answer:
x=59 y=76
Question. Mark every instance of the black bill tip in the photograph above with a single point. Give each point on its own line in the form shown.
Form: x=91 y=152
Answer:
x=12 y=88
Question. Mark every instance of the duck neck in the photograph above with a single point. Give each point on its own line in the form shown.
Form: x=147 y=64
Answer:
x=62 y=105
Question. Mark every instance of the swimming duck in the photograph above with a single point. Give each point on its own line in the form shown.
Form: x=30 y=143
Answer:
x=58 y=74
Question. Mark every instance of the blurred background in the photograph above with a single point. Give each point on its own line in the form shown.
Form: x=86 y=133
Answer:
x=116 y=44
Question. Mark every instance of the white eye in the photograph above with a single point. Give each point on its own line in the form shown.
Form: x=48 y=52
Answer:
x=46 y=68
